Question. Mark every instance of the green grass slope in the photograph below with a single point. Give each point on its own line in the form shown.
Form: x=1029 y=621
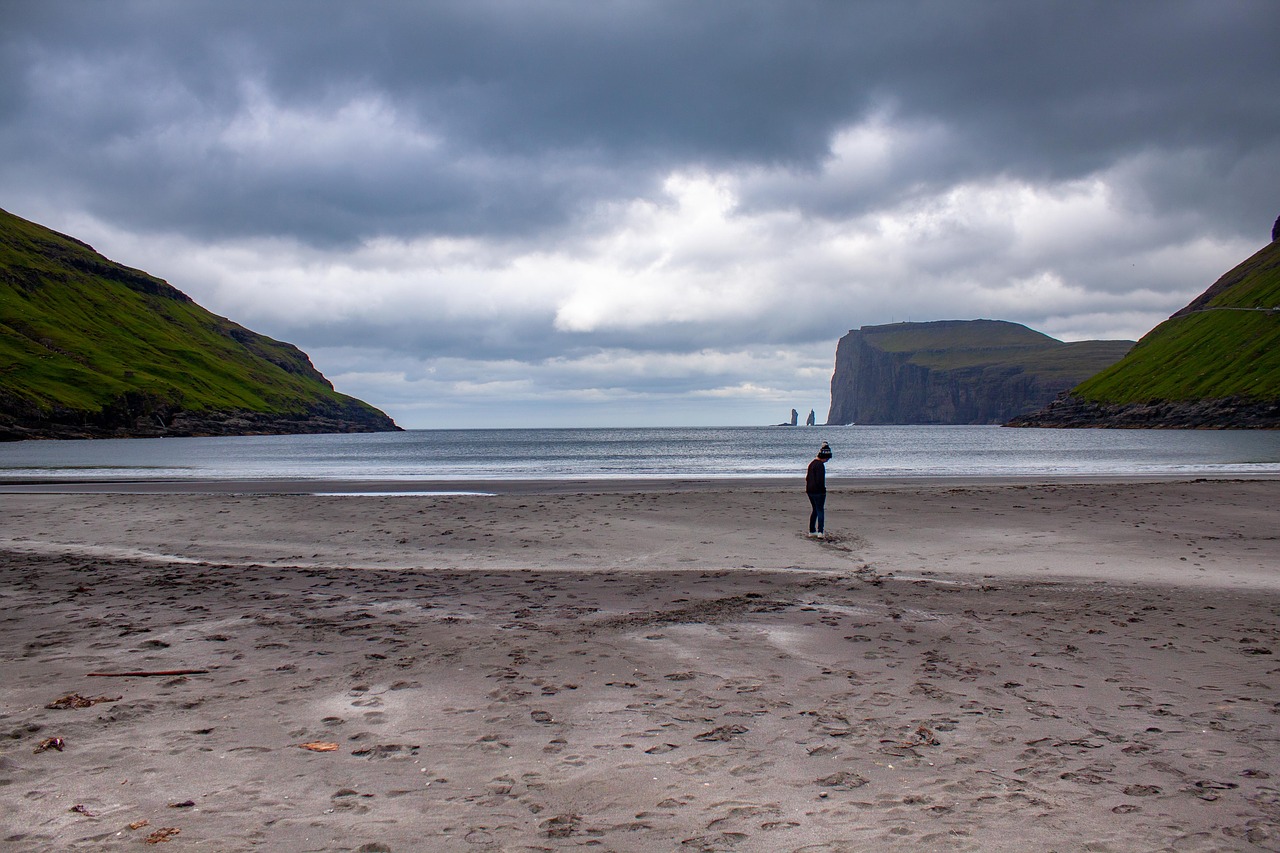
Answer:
x=950 y=335
x=959 y=344
x=83 y=337
x=1225 y=344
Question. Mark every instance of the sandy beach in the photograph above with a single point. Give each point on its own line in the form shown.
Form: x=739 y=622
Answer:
x=958 y=666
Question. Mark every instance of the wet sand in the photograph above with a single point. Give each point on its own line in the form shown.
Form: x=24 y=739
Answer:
x=980 y=666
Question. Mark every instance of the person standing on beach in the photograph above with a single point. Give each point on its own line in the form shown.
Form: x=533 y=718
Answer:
x=815 y=485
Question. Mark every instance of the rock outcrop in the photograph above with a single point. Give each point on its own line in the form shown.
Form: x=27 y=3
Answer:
x=1068 y=411
x=956 y=372
x=142 y=416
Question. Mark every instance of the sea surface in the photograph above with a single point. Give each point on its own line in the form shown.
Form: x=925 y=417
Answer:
x=670 y=453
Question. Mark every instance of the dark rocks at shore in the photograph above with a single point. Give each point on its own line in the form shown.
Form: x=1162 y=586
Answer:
x=1068 y=411
x=146 y=418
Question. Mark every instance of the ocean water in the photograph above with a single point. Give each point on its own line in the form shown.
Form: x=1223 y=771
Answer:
x=671 y=453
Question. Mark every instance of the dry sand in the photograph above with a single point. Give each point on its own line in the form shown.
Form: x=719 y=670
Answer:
x=985 y=666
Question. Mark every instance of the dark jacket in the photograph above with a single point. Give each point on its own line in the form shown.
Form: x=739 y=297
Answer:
x=815 y=481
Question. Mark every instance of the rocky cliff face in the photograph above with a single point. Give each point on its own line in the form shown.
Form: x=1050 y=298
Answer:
x=956 y=372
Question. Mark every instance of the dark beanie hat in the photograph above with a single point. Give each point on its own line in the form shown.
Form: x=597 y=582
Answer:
x=825 y=452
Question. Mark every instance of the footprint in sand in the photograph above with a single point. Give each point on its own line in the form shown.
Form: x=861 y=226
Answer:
x=715 y=843
x=1141 y=790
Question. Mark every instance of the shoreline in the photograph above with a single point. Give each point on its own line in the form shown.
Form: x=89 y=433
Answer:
x=978 y=666
x=610 y=485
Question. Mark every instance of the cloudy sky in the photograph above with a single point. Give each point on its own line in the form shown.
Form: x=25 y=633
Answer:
x=605 y=212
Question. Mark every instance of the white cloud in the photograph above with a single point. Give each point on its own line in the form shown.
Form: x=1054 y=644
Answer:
x=717 y=298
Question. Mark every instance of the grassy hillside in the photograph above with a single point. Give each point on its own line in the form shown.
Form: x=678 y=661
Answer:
x=81 y=334
x=959 y=344
x=944 y=335
x=1224 y=344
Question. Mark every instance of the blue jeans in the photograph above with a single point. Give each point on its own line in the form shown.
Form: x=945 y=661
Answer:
x=818 y=516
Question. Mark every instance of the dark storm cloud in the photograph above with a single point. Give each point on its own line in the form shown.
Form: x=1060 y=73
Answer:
x=538 y=110
x=1056 y=91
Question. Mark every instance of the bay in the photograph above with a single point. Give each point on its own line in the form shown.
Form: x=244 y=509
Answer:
x=653 y=453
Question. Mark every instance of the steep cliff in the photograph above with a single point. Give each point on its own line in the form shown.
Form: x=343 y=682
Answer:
x=1214 y=364
x=956 y=372
x=90 y=348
